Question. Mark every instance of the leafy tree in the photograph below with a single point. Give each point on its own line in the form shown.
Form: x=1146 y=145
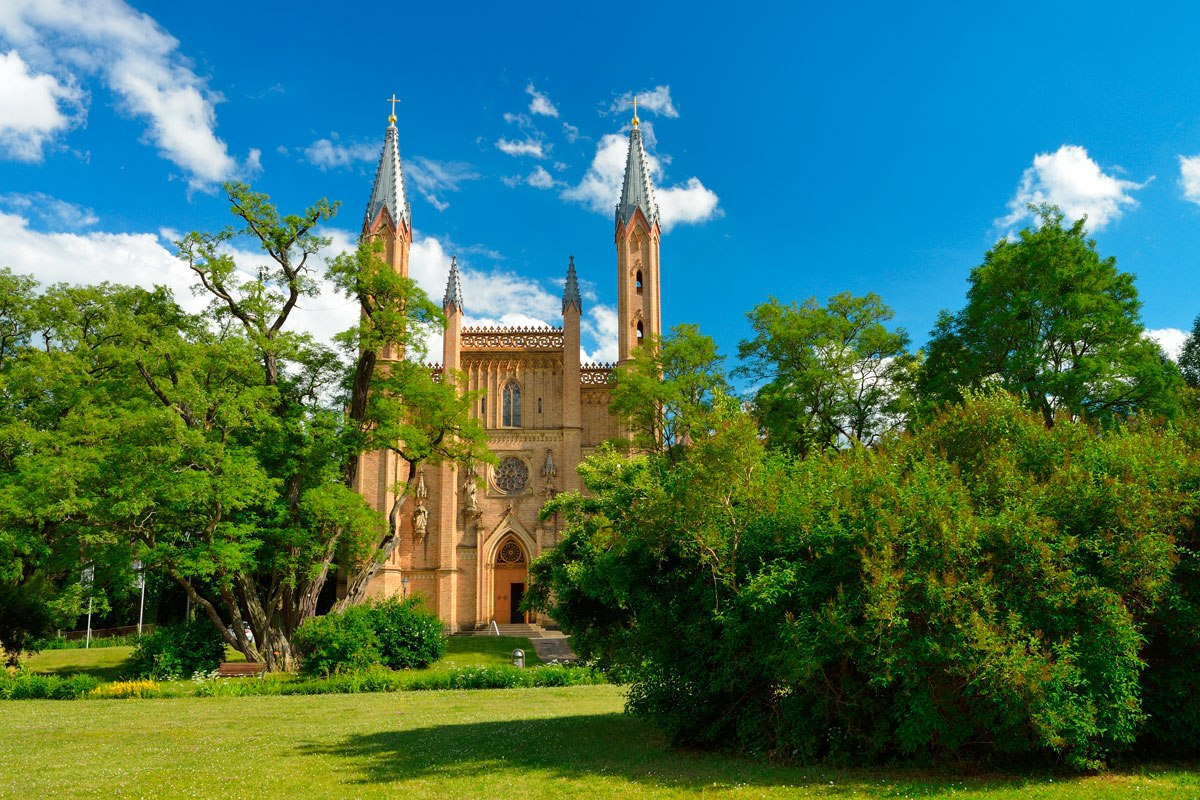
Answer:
x=1189 y=358
x=1051 y=321
x=233 y=421
x=831 y=375
x=666 y=389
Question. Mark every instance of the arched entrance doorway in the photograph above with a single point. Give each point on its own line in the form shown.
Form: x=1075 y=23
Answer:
x=510 y=577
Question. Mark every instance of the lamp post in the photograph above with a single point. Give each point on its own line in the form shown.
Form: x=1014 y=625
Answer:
x=141 y=582
x=89 y=576
x=404 y=588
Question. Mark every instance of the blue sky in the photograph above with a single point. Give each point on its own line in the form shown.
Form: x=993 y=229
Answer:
x=802 y=151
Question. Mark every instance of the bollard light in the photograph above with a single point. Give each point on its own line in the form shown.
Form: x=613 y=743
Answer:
x=519 y=658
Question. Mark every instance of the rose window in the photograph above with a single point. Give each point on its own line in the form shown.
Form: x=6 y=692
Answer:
x=512 y=475
x=511 y=553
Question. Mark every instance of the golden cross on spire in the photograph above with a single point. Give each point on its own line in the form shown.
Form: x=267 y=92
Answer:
x=393 y=100
x=634 y=104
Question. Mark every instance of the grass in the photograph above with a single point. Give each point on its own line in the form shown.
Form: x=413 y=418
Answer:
x=527 y=743
x=488 y=651
x=104 y=663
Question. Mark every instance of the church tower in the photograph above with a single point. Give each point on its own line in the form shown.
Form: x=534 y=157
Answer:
x=388 y=216
x=639 y=314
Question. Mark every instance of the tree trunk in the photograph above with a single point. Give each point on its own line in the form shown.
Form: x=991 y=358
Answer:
x=356 y=590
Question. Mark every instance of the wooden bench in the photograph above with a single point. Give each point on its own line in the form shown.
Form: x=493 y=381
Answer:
x=240 y=669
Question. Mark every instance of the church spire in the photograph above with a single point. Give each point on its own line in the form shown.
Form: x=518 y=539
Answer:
x=388 y=192
x=571 y=295
x=636 y=192
x=453 y=287
x=639 y=307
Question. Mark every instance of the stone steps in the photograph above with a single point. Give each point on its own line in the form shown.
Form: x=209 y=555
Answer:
x=526 y=630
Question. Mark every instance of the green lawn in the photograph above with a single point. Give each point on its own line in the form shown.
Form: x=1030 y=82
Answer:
x=526 y=743
x=491 y=651
x=103 y=662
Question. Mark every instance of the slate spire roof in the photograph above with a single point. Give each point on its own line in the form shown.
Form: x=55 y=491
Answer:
x=571 y=289
x=637 y=191
x=453 y=287
x=388 y=191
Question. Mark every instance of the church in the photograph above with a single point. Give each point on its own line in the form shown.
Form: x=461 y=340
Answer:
x=469 y=533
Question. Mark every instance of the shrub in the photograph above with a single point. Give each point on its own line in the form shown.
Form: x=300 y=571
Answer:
x=27 y=686
x=982 y=586
x=337 y=643
x=409 y=636
x=178 y=651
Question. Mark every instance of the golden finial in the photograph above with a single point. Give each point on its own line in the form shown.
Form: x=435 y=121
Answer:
x=393 y=100
x=634 y=104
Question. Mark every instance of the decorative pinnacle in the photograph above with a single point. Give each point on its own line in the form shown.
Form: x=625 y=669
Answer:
x=635 y=117
x=571 y=296
x=453 y=287
x=393 y=100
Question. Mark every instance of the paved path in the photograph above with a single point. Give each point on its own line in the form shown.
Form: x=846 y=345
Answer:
x=551 y=648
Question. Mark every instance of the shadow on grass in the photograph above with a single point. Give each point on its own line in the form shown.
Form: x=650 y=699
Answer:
x=618 y=746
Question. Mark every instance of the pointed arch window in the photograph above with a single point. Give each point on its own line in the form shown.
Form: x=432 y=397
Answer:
x=638 y=281
x=511 y=413
x=639 y=333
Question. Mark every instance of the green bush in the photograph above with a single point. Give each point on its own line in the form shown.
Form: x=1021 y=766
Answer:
x=178 y=651
x=336 y=643
x=28 y=686
x=397 y=634
x=983 y=586
x=409 y=636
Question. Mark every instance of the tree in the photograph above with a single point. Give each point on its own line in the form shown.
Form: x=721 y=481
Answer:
x=59 y=384
x=666 y=389
x=833 y=375
x=1189 y=357
x=1051 y=321
x=215 y=447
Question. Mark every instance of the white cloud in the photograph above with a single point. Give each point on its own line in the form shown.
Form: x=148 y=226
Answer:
x=430 y=176
x=523 y=148
x=129 y=258
x=600 y=325
x=540 y=178
x=496 y=297
x=571 y=132
x=1169 y=339
x=1189 y=177
x=30 y=114
x=657 y=101
x=50 y=211
x=688 y=204
x=600 y=188
x=527 y=147
x=540 y=103
x=139 y=61
x=333 y=154
x=1071 y=180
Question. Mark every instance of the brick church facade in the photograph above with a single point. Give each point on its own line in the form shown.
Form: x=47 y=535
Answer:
x=469 y=534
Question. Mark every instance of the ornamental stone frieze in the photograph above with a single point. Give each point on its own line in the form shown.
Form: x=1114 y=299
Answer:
x=511 y=338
